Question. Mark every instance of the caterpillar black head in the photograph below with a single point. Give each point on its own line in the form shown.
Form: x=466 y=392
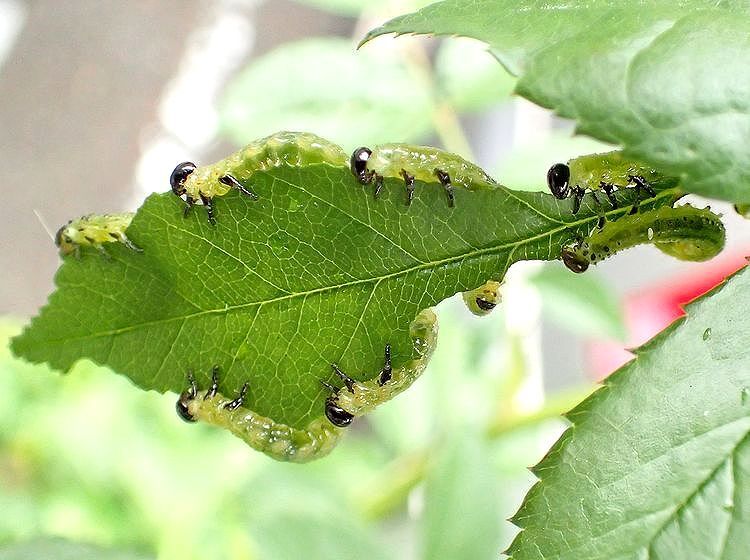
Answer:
x=574 y=259
x=179 y=176
x=484 y=304
x=358 y=163
x=337 y=415
x=558 y=180
x=183 y=402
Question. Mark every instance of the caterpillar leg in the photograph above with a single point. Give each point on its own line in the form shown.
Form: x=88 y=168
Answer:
x=445 y=180
x=128 y=243
x=348 y=381
x=239 y=401
x=185 y=397
x=378 y=184
x=335 y=414
x=387 y=372
x=230 y=181
x=577 y=194
x=641 y=184
x=596 y=198
x=609 y=190
x=189 y=203
x=214 y=388
x=208 y=202
x=102 y=251
x=409 y=182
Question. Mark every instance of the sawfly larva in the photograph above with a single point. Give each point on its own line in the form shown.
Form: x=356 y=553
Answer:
x=684 y=232
x=94 y=230
x=277 y=440
x=422 y=163
x=607 y=172
x=236 y=171
x=482 y=300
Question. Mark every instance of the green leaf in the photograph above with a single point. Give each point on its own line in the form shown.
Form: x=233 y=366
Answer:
x=469 y=77
x=657 y=462
x=313 y=273
x=666 y=80
x=322 y=84
x=462 y=503
x=60 y=549
x=583 y=304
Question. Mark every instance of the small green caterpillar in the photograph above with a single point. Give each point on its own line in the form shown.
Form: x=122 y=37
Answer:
x=280 y=441
x=412 y=163
x=236 y=171
x=684 y=232
x=608 y=172
x=94 y=231
x=360 y=397
x=482 y=300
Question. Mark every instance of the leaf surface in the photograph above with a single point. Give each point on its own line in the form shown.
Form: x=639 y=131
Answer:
x=315 y=272
x=666 y=80
x=657 y=462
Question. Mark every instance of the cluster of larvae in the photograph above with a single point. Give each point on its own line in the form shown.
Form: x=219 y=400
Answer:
x=685 y=232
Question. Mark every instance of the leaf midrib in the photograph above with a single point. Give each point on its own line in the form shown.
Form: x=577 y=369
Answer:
x=422 y=266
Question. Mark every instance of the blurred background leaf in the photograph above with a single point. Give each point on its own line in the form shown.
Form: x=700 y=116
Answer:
x=59 y=549
x=462 y=516
x=323 y=85
x=468 y=77
x=354 y=8
x=584 y=305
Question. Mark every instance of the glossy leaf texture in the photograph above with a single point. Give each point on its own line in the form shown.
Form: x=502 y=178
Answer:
x=657 y=462
x=313 y=273
x=666 y=80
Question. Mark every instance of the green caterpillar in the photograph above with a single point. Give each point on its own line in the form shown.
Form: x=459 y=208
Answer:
x=236 y=171
x=684 y=232
x=360 y=397
x=421 y=163
x=94 y=231
x=280 y=441
x=607 y=172
x=482 y=300
x=286 y=443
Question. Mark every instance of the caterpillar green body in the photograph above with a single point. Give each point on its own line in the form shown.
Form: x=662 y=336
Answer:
x=684 y=232
x=94 y=230
x=236 y=171
x=421 y=163
x=277 y=440
x=608 y=172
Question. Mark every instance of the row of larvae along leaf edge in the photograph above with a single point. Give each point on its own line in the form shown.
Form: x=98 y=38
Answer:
x=637 y=202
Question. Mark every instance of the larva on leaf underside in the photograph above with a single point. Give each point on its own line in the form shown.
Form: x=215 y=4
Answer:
x=684 y=232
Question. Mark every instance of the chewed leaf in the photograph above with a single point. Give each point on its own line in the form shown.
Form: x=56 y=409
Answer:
x=659 y=82
x=311 y=271
x=657 y=462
